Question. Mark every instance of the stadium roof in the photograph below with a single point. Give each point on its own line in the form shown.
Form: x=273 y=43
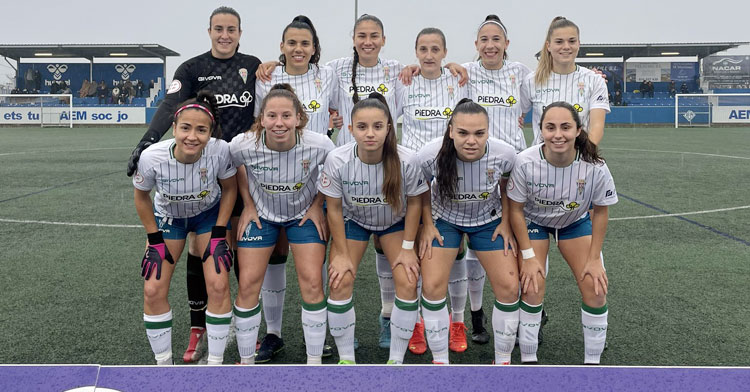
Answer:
x=666 y=50
x=88 y=51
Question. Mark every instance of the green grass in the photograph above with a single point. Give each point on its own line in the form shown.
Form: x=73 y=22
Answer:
x=678 y=288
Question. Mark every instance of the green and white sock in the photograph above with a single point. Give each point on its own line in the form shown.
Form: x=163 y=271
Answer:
x=341 y=322
x=457 y=286
x=246 y=326
x=530 y=319
x=314 y=325
x=436 y=324
x=217 y=333
x=273 y=292
x=505 y=325
x=594 y=322
x=385 y=278
x=403 y=318
x=159 y=332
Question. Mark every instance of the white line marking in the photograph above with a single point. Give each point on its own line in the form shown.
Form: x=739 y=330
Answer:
x=678 y=152
x=680 y=214
x=70 y=224
x=55 y=151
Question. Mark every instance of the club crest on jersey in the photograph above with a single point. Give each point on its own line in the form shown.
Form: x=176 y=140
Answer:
x=174 y=87
x=305 y=166
x=581 y=185
x=318 y=85
x=243 y=74
x=581 y=88
x=490 y=176
x=451 y=91
x=386 y=72
x=513 y=80
x=204 y=175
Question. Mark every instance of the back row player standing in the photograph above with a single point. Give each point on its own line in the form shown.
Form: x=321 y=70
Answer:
x=231 y=76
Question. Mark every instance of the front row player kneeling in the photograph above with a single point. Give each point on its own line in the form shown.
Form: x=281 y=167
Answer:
x=469 y=169
x=278 y=166
x=551 y=188
x=372 y=186
x=195 y=192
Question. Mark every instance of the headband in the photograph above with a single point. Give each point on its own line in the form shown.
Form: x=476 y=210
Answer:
x=195 y=106
x=505 y=32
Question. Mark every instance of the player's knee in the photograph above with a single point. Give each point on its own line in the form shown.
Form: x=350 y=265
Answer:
x=507 y=286
x=431 y=289
x=590 y=298
x=218 y=289
x=310 y=286
x=345 y=287
x=153 y=294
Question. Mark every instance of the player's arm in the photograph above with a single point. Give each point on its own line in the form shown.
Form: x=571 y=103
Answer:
x=341 y=262
x=532 y=268
x=504 y=228
x=180 y=90
x=249 y=212
x=407 y=257
x=145 y=209
x=228 y=198
x=596 y=125
x=593 y=266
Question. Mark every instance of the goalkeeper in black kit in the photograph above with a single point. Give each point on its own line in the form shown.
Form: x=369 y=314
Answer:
x=230 y=75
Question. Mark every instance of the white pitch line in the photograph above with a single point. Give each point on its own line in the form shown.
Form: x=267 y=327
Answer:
x=71 y=224
x=680 y=214
x=678 y=152
x=56 y=151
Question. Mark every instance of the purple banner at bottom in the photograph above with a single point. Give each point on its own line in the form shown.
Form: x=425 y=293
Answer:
x=369 y=378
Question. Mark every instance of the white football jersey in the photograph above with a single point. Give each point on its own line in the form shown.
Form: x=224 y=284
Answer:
x=477 y=198
x=558 y=196
x=183 y=190
x=316 y=90
x=360 y=186
x=499 y=91
x=380 y=78
x=282 y=183
x=426 y=105
x=583 y=88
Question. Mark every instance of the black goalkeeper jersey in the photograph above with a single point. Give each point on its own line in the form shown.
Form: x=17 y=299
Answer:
x=231 y=80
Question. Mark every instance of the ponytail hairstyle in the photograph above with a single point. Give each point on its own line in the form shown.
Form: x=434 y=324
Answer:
x=304 y=23
x=588 y=151
x=205 y=101
x=355 y=61
x=431 y=30
x=391 y=159
x=447 y=178
x=545 y=58
x=494 y=19
x=283 y=90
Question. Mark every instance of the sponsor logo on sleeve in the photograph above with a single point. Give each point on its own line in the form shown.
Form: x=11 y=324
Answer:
x=138 y=178
x=325 y=182
x=609 y=193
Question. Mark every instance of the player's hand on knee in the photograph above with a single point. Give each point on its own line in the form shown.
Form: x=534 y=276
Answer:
x=532 y=273
x=135 y=156
x=509 y=241
x=337 y=268
x=408 y=259
x=156 y=253
x=318 y=218
x=219 y=249
x=595 y=269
